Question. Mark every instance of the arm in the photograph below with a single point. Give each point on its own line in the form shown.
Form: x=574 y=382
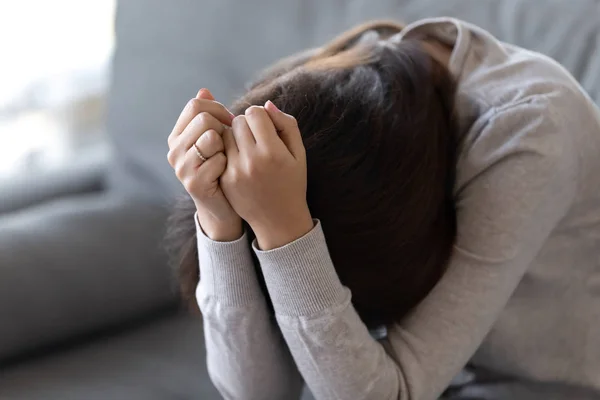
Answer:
x=506 y=212
x=246 y=355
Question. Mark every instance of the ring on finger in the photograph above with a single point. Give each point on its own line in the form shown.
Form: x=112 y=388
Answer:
x=199 y=153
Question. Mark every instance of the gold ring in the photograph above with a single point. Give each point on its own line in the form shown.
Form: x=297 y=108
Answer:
x=200 y=156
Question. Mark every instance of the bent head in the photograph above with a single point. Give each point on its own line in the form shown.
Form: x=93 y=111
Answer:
x=377 y=121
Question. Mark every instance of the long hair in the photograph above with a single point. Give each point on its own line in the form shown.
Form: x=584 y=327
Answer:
x=377 y=120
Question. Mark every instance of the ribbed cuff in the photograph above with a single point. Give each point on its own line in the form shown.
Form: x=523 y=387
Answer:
x=227 y=270
x=300 y=276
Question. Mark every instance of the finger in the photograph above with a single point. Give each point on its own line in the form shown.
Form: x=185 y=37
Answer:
x=242 y=134
x=287 y=128
x=261 y=125
x=205 y=94
x=209 y=144
x=192 y=161
x=201 y=123
x=186 y=165
x=212 y=169
x=196 y=106
x=231 y=149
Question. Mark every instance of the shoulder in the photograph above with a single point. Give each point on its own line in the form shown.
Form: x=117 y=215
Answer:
x=535 y=128
x=518 y=169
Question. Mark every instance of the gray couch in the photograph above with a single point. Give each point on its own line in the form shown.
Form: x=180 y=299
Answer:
x=88 y=308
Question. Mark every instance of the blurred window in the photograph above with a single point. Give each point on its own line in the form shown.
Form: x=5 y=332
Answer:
x=53 y=79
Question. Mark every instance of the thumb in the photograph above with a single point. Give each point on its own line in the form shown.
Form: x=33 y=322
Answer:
x=205 y=94
x=287 y=128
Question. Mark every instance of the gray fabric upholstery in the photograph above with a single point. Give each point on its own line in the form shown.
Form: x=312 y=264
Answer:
x=159 y=360
x=76 y=265
x=520 y=390
x=167 y=51
x=17 y=192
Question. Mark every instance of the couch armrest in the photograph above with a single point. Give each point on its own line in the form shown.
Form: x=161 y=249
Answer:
x=84 y=174
x=76 y=265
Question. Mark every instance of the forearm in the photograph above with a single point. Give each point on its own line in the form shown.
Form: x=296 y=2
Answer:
x=247 y=357
x=340 y=359
x=332 y=347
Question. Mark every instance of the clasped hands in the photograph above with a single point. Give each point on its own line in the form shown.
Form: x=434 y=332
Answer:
x=253 y=168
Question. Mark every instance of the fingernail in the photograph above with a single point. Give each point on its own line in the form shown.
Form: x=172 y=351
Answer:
x=269 y=104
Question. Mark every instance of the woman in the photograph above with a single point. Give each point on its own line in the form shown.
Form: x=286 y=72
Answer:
x=408 y=200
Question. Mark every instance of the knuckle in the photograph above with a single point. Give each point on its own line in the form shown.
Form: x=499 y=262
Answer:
x=264 y=158
x=253 y=169
x=253 y=110
x=171 y=157
x=190 y=185
x=204 y=118
x=193 y=106
x=211 y=138
x=293 y=121
x=238 y=119
x=232 y=175
x=268 y=158
x=180 y=172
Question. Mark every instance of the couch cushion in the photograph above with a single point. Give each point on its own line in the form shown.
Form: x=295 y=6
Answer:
x=76 y=265
x=168 y=50
x=79 y=176
x=162 y=359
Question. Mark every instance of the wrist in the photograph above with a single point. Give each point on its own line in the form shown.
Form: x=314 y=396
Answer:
x=277 y=235
x=220 y=230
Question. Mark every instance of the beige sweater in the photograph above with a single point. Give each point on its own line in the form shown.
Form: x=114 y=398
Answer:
x=521 y=294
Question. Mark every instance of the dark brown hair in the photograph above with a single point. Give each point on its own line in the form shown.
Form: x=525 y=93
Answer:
x=377 y=121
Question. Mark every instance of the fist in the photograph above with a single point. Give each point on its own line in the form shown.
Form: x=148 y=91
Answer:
x=196 y=153
x=265 y=179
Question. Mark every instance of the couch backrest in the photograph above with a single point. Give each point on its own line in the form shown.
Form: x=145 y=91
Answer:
x=167 y=50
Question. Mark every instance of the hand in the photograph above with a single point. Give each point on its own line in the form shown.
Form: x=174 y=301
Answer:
x=202 y=122
x=265 y=179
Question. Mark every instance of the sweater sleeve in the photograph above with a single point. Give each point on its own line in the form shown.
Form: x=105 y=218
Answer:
x=506 y=210
x=247 y=357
